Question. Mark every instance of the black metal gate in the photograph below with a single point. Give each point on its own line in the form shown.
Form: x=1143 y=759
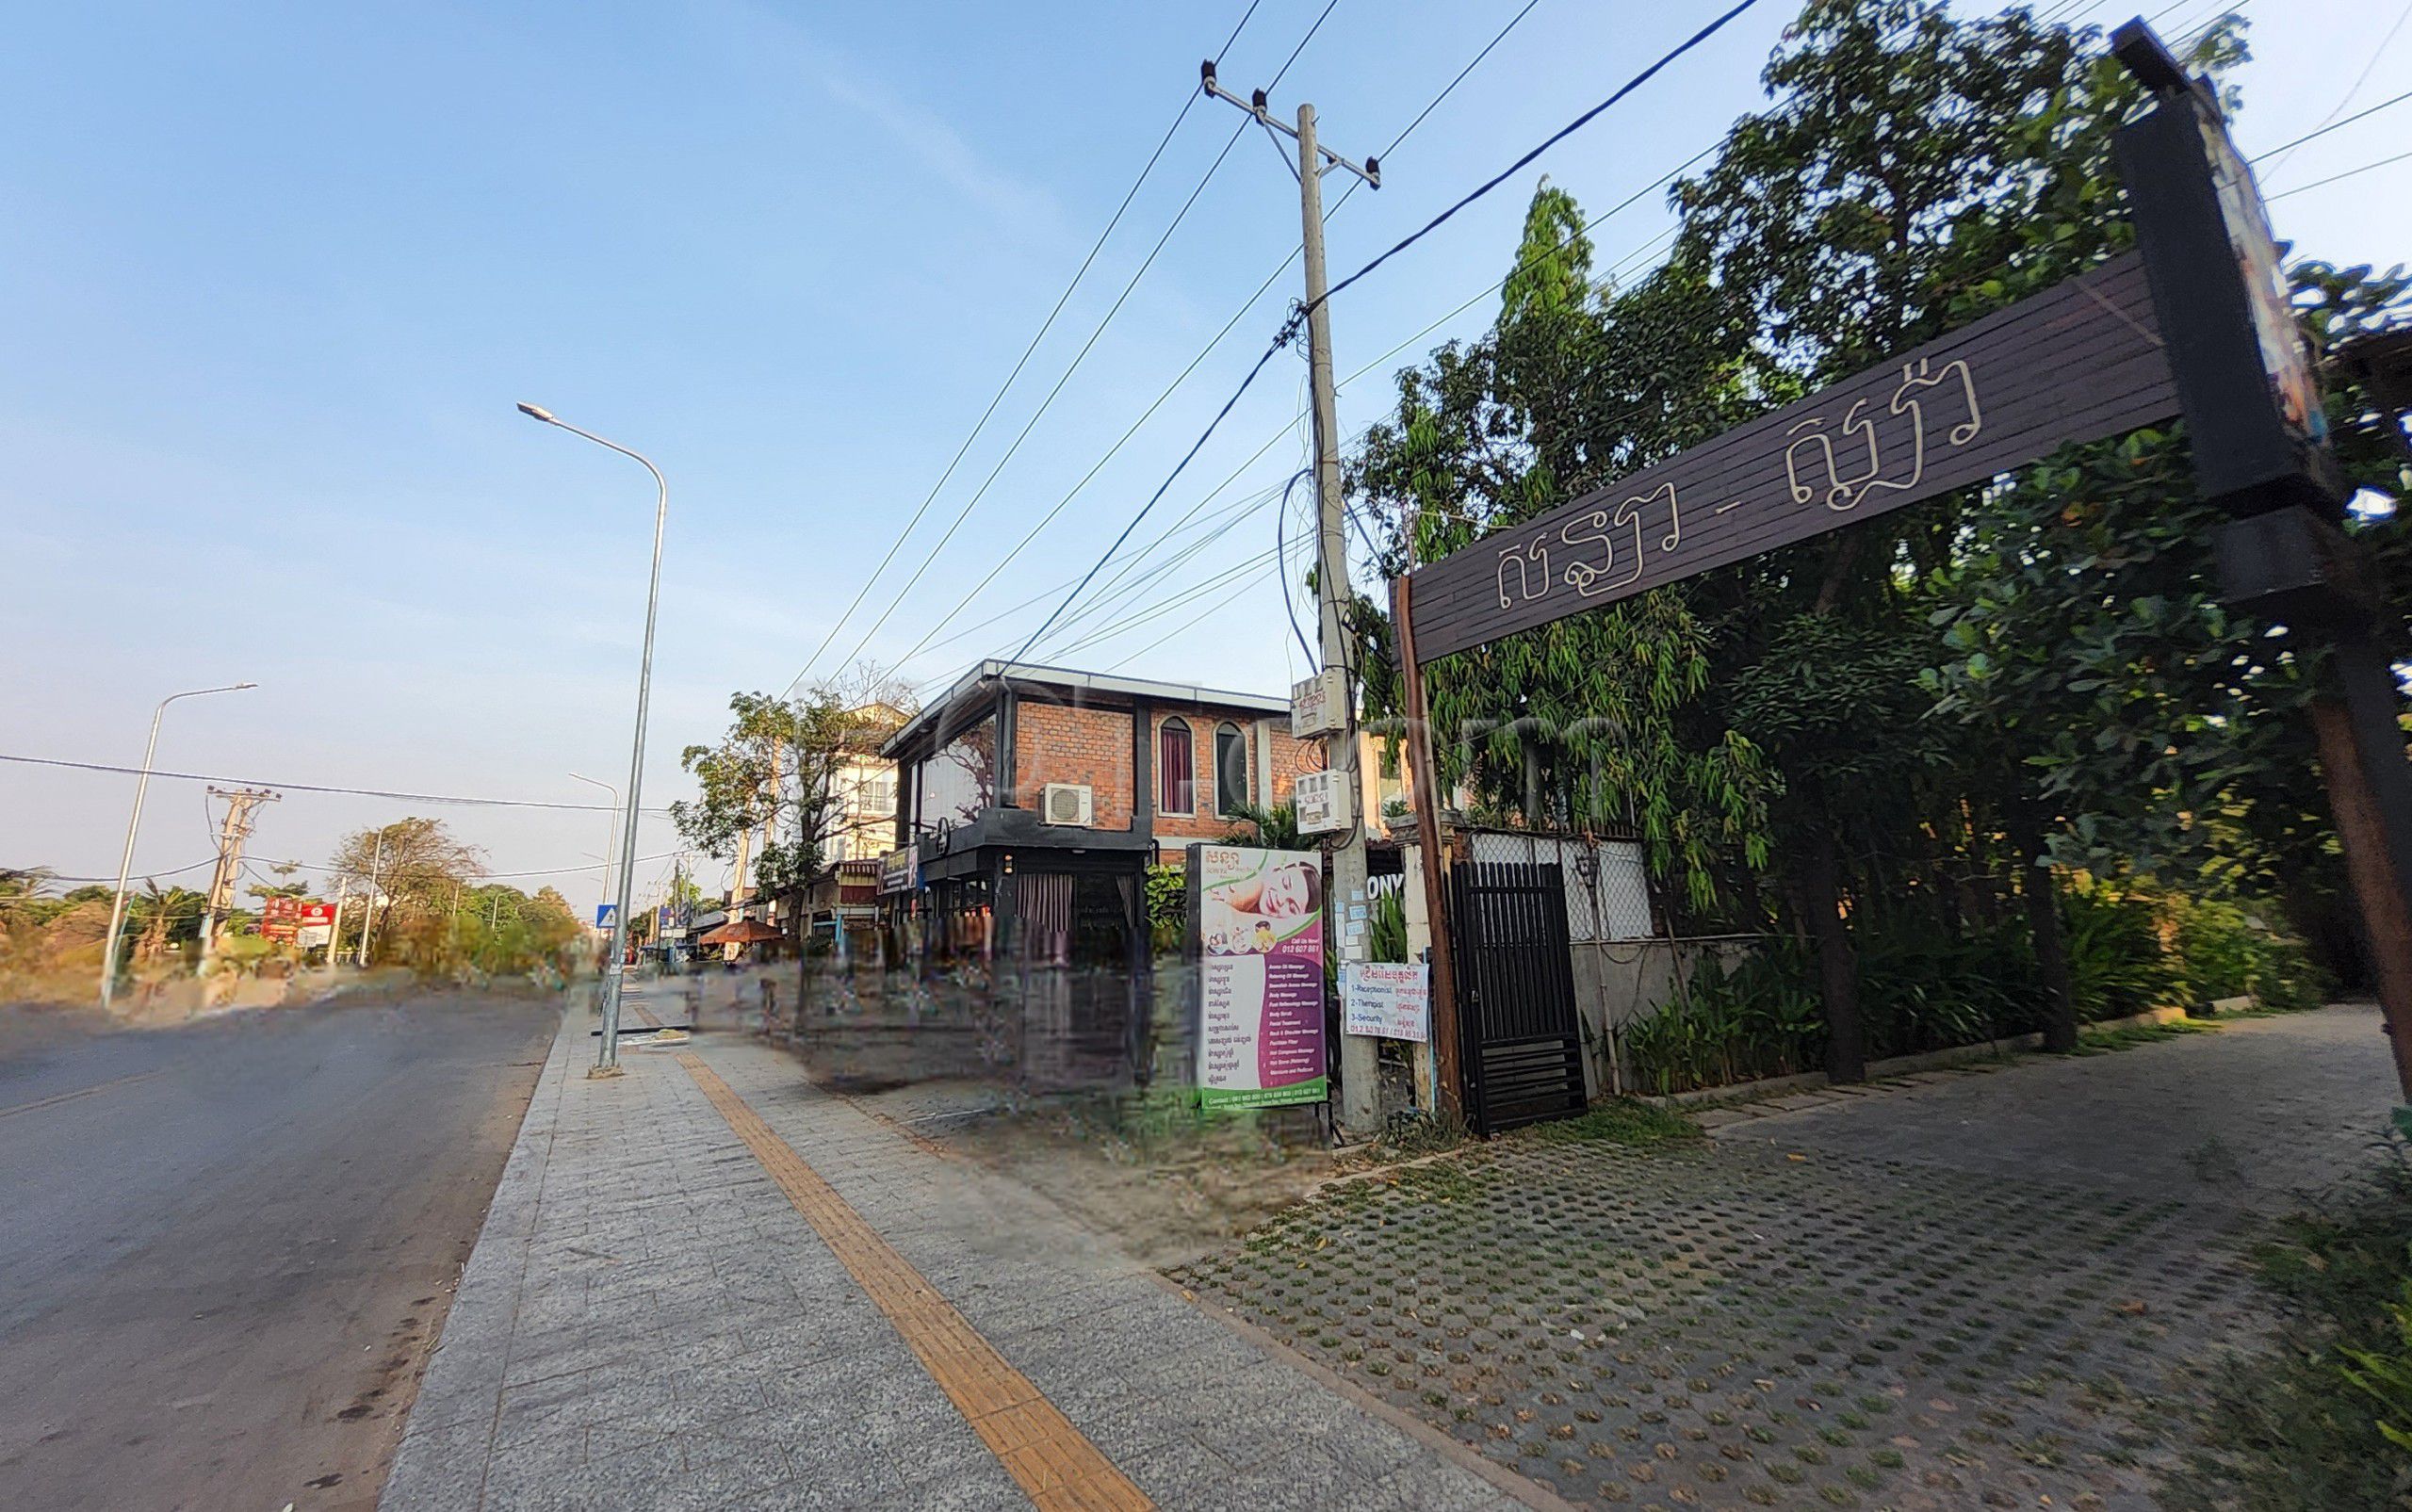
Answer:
x=1519 y=1044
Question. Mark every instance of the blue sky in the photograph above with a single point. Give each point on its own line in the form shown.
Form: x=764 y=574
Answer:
x=272 y=276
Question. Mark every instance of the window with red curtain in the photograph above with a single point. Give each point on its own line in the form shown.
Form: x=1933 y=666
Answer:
x=1176 y=769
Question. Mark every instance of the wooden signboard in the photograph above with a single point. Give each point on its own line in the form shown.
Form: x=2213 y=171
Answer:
x=2081 y=360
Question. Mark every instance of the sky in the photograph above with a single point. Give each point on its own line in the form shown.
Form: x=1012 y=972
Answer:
x=272 y=277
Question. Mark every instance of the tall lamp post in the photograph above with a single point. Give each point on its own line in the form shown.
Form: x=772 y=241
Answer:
x=611 y=828
x=126 y=862
x=607 y=1059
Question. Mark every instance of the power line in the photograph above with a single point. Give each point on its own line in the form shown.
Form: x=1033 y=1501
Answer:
x=1289 y=327
x=1553 y=140
x=2351 y=172
x=1434 y=104
x=2364 y=76
x=1280 y=567
x=1586 y=224
x=481 y=877
x=1236 y=316
x=1280 y=339
x=320 y=788
x=1078 y=358
x=2335 y=126
x=1023 y=361
x=41 y=877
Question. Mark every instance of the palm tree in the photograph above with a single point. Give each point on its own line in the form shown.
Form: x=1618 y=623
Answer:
x=1275 y=828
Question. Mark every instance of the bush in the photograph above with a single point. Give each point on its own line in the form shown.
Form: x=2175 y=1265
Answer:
x=2117 y=968
x=1760 y=1018
x=2225 y=952
x=1927 y=989
x=1168 y=908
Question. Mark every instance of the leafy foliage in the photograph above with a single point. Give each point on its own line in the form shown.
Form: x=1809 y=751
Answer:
x=1922 y=726
x=1274 y=827
x=777 y=771
x=1168 y=907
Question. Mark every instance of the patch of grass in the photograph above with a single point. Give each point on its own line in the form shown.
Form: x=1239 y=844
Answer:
x=2288 y=1428
x=2104 y=1041
x=1618 y=1121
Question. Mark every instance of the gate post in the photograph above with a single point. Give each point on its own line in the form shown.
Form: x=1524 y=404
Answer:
x=2251 y=397
x=1423 y=776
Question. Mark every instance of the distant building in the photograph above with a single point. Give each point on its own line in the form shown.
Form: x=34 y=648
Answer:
x=861 y=829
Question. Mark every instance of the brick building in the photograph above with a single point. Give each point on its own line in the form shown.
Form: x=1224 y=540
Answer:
x=1031 y=801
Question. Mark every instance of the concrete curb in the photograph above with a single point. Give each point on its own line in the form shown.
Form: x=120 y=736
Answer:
x=1748 y=1093
x=1877 y=1071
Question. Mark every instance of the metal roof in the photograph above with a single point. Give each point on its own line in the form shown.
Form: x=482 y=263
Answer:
x=1091 y=682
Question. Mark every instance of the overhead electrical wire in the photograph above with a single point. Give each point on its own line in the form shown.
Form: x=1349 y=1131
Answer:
x=2333 y=178
x=1669 y=236
x=1493 y=287
x=1572 y=126
x=1689 y=43
x=2364 y=76
x=322 y=788
x=42 y=878
x=2335 y=126
x=1045 y=326
x=1189 y=624
x=1043 y=595
x=481 y=877
x=1236 y=316
x=1047 y=403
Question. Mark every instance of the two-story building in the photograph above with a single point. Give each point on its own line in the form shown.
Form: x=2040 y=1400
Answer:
x=1031 y=800
x=858 y=829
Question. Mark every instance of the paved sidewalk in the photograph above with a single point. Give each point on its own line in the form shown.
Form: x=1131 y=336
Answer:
x=707 y=1284
x=2256 y=1112
x=2001 y=1289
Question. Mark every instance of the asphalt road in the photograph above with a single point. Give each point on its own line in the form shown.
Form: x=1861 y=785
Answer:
x=226 y=1249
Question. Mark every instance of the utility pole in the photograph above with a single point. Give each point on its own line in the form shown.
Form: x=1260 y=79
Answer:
x=132 y=825
x=231 y=836
x=1360 y=1093
x=368 y=904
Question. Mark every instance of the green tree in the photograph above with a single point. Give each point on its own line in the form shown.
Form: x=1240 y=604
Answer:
x=409 y=876
x=777 y=771
x=1595 y=723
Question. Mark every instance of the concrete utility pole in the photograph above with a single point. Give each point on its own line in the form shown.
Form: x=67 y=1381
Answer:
x=231 y=836
x=368 y=904
x=1360 y=1099
x=125 y=861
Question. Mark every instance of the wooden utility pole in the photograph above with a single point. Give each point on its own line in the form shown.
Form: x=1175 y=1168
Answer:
x=1424 y=777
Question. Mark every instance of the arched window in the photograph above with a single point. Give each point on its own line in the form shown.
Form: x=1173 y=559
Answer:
x=1176 y=769
x=1230 y=770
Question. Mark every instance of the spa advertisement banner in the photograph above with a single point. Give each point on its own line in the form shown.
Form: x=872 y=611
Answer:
x=1259 y=923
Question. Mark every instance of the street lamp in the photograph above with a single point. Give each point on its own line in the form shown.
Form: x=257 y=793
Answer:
x=610 y=829
x=607 y=1060
x=126 y=862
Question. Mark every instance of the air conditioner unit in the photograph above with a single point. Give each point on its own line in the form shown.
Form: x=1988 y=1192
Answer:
x=1067 y=803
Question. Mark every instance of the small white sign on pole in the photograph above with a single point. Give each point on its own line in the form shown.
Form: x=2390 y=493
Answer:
x=1323 y=803
x=1386 y=1001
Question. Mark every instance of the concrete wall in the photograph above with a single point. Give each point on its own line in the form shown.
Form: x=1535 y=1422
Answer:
x=1618 y=982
